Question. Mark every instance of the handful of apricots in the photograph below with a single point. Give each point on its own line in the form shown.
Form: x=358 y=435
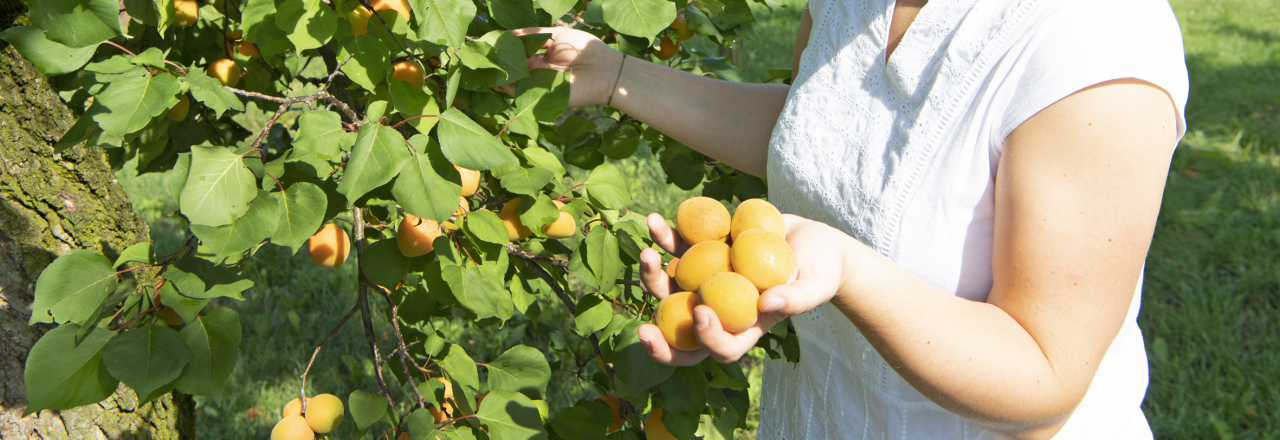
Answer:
x=324 y=413
x=730 y=261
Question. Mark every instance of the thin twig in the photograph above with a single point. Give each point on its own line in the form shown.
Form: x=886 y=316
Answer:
x=516 y=251
x=362 y=301
x=404 y=351
x=302 y=391
x=564 y=297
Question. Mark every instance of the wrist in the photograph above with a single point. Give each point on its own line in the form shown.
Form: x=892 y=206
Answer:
x=857 y=257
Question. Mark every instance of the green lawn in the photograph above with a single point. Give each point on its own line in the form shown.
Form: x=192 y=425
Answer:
x=1210 y=304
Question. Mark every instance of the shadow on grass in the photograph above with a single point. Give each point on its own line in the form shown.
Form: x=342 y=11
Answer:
x=1240 y=100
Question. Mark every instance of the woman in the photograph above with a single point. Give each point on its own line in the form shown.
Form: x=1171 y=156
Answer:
x=975 y=184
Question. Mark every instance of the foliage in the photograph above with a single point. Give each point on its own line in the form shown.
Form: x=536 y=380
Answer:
x=355 y=145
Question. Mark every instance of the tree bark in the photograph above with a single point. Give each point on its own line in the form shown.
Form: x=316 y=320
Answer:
x=51 y=204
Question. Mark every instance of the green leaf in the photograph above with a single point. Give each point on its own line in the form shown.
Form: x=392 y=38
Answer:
x=727 y=375
x=527 y=181
x=681 y=425
x=367 y=408
x=319 y=133
x=257 y=224
x=511 y=415
x=131 y=103
x=309 y=23
x=468 y=145
x=210 y=92
x=477 y=55
x=152 y=57
x=486 y=226
x=542 y=97
x=542 y=212
x=369 y=63
x=150 y=12
x=62 y=374
x=685 y=391
x=186 y=308
x=460 y=367
x=258 y=19
x=509 y=50
x=384 y=264
x=543 y=158
x=445 y=21
x=212 y=339
x=421 y=425
x=522 y=369
x=587 y=420
x=602 y=257
x=302 y=209
x=620 y=141
x=146 y=358
x=606 y=187
x=218 y=189
x=556 y=8
x=76 y=23
x=411 y=101
x=73 y=287
x=379 y=154
x=639 y=18
x=513 y=14
x=427 y=186
x=478 y=290
x=140 y=253
x=199 y=278
x=632 y=366
x=593 y=314
x=50 y=57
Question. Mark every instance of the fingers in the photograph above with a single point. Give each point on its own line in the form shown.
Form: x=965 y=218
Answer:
x=802 y=295
x=664 y=235
x=790 y=222
x=538 y=30
x=721 y=345
x=652 y=275
x=539 y=61
x=658 y=349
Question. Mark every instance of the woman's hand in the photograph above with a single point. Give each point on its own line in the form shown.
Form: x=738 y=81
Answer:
x=592 y=63
x=821 y=254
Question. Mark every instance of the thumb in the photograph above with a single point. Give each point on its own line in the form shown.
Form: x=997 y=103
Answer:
x=801 y=295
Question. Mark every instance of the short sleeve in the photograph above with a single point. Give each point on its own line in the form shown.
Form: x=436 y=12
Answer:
x=1092 y=41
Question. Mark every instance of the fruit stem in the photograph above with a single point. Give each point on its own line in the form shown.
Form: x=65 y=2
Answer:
x=302 y=391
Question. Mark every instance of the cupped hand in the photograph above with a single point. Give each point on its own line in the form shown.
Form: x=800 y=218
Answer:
x=820 y=254
x=593 y=64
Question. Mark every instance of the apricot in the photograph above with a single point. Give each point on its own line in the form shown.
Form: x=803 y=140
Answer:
x=440 y=415
x=416 y=235
x=403 y=436
x=701 y=261
x=292 y=428
x=682 y=29
x=756 y=214
x=667 y=49
x=236 y=34
x=170 y=316
x=185 y=12
x=671 y=267
x=324 y=413
x=733 y=298
x=409 y=71
x=653 y=428
x=401 y=6
x=674 y=317
x=179 y=110
x=702 y=219
x=762 y=257
x=510 y=216
x=359 y=19
x=615 y=404
x=225 y=71
x=248 y=49
x=329 y=247
x=563 y=227
x=470 y=181
x=293 y=408
x=463 y=207
x=448 y=387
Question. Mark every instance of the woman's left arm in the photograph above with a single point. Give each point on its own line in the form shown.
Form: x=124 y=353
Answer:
x=1077 y=192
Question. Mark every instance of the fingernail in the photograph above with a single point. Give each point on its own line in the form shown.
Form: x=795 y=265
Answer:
x=701 y=320
x=775 y=305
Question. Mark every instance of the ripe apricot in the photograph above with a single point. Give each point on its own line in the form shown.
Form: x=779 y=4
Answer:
x=292 y=428
x=667 y=49
x=674 y=317
x=416 y=235
x=329 y=247
x=470 y=181
x=185 y=12
x=248 y=49
x=615 y=404
x=225 y=71
x=324 y=413
x=359 y=19
x=701 y=261
x=671 y=267
x=401 y=6
x=179 y=110
x=733 y=298
x=762 y=257
x=510 y=216
x=463 y=207
x=653 y=428
x=563 y=227
x=682 y=29
x=236 y=34
x=440 y=415
x=293 y=408
x=448 y=387
x=757 y=214
x=702 y=219
x=408 y=71
x=403 y=436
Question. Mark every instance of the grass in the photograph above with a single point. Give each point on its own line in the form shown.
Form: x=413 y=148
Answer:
x=1210 y=301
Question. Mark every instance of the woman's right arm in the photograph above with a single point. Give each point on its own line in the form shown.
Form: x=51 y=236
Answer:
x=728 y=121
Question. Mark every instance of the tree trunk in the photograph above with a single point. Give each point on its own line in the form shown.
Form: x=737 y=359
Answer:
x=49 y=205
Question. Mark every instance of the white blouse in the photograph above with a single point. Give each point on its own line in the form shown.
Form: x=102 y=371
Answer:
x=902 y=156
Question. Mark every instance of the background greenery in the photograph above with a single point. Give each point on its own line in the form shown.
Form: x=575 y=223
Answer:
x=1210 y=300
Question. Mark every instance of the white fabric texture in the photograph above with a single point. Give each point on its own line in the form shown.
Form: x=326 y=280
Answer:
x=902 y=156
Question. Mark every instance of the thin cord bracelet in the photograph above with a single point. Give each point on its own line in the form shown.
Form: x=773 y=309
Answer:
x=615 y=80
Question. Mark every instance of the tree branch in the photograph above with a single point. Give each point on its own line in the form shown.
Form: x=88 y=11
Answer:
x=302 y=392
x=362 y=301
x=404 y=351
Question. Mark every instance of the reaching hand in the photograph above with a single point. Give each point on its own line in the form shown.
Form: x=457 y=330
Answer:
x=820 y=253
x=593 y=64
